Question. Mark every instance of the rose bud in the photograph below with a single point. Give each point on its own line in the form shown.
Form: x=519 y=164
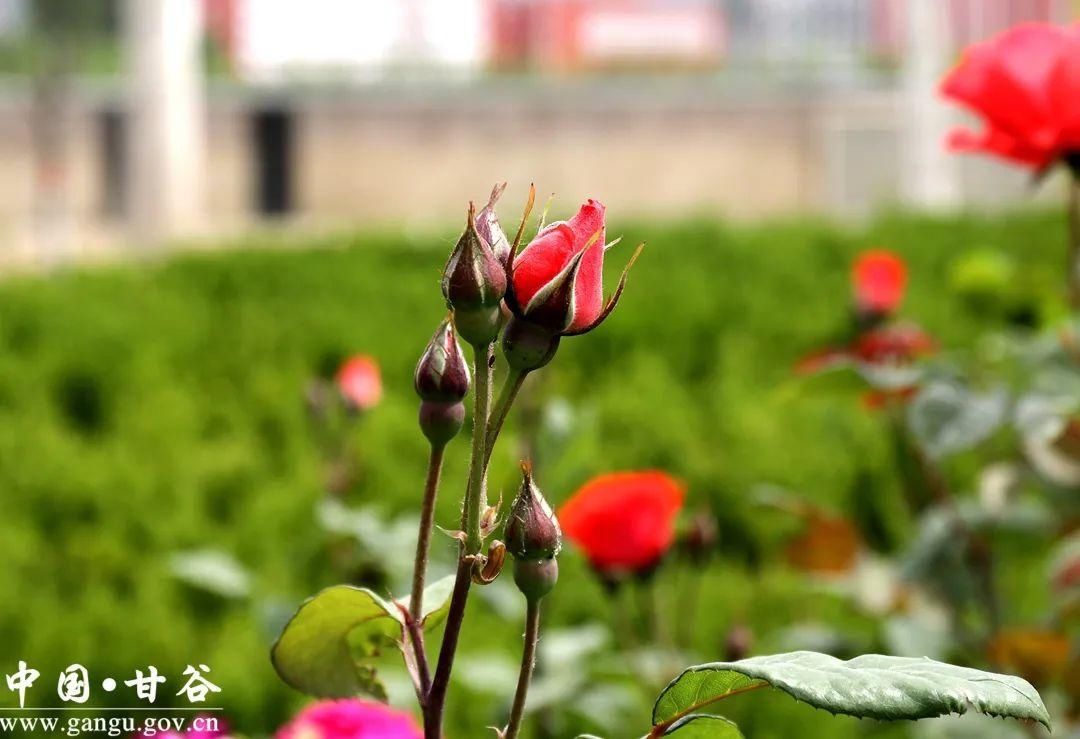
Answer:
x=442 y=381
x=487 y=225
x=532 y=531
x=698 y=540
x=738 y=643
x=442 y=373
x=557 y=280
x=473 y=284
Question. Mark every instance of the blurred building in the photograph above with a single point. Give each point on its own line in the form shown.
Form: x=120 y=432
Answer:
x=332 y=112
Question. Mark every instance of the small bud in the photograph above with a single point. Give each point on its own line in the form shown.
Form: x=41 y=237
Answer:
x=487 y=225
x=473 y=284
x=535 y=578
x=442 y=374
x=699 y=539
x=532 y=531
x=738 y=643
x=528 y=346
x=440 y=421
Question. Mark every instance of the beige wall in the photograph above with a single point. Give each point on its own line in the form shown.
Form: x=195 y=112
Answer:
x=392 y=158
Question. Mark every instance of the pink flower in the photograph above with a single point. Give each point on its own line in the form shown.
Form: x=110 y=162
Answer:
x=360 y=383
x=350 y=719
x=219 y=733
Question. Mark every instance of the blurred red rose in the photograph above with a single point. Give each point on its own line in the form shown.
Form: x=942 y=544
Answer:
x=558 y=279
x=878 y=280
x=350 y=719
x=1025 y=84
x=623 y=521
x=360 y=382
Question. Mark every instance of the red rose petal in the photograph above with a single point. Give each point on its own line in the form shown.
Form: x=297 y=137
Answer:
x=542 y=260
x=589 y=288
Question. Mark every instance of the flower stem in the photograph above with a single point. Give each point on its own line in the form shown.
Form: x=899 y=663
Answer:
x=1074 y=241
x=528 y=662
x=423 y=547
x=483 y=357
x=436 y=698
x=511 y=385
x=474 y=493
x=427 y=522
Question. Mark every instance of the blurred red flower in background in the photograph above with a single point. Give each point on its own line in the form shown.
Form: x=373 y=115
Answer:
x=360 y=382
x=878 y=281
x=350 y=719
x=1025 y=84
x=623 y=521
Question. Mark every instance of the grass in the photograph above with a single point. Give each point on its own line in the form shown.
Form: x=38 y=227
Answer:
x=146 y=410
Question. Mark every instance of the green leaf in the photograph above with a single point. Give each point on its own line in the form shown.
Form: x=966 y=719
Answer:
x=947 y=418
x=704 y=726
x=326 y=648
x=870 y=686
x=436 y=602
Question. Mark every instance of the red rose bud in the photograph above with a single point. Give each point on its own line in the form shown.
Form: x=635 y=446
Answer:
x=487 y=225
x=473 y=284
x=624 y=521
x=557 y=280
x=878 y=281
x=532 y=531
x=1024 y=84
x=442 y=373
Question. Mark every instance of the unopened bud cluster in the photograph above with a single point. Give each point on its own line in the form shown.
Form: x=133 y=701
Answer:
x=534 y=539
x=442 y=382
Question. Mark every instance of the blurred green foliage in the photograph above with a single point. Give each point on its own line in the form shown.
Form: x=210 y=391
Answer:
x=147 y=410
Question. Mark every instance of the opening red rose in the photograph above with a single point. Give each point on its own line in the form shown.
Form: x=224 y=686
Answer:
x=558 y=279
x=878 y=279
x=1025 y=84
x=360 y=382
x=623 y=521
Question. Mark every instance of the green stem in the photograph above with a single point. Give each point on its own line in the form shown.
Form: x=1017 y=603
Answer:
x=435 y=704
x=528 y=662
x=511 y=385
x=474 y=494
